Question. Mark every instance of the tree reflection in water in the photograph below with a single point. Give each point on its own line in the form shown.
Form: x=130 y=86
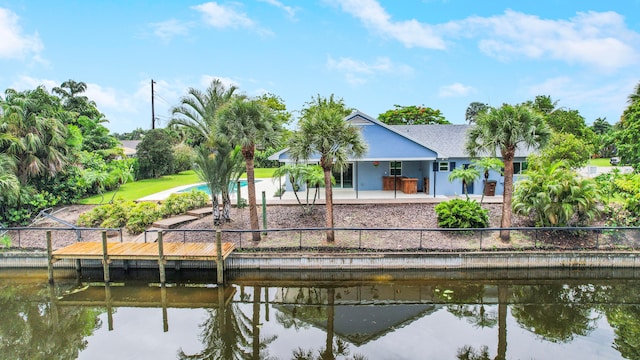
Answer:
x=34 y=327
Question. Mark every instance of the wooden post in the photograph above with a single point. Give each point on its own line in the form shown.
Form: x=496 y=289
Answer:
x=50 y=257
x=105 y=258
x=219 y=260
x=78 y=262
x=107 y=298
x=165 y=317
x=238 y=196
x=264 y=212
x=163 y=275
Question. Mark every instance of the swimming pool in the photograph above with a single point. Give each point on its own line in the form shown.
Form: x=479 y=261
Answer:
x=205 y=188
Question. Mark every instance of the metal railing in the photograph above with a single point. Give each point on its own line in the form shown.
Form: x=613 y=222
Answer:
x=360 y=239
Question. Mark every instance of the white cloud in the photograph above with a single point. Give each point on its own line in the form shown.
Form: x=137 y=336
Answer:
x=598 y=39
x=411 y=33
x=167 y=30
x=358 y=72
x=29 y=83
x=581 y=93
x=291 y=12
x=228 y=16
x=455 y=90
x=15 y=44
x=205 y=81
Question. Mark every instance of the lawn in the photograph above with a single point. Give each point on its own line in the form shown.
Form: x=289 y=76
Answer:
x=599 y=162
x=142 y=188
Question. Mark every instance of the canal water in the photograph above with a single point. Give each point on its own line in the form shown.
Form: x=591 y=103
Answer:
x=322 y=315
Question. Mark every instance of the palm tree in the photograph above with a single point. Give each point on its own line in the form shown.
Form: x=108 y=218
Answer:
x=309 y=176
x=324 y=131
x=9 y=183
x=218 y=169
x=198 y=110
x=506 y=128
x=635 y=96
x=487 y=164
x=467 y=175
x=246 y=123
x=31 y=133
x=473 y=110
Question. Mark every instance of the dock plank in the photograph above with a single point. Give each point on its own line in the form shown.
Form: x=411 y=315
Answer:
x=143 y=251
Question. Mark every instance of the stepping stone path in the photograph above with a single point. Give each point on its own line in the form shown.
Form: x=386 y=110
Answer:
x=172 y=222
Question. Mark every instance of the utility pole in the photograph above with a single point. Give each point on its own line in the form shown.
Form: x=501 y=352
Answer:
x=153 y=110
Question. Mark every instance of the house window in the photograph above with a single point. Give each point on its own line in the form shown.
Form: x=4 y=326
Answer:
x=445 y=166
x=519 y=167
x=395 y=168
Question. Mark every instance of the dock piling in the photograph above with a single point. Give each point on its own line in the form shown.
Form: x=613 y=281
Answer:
x=49 y=257
x=219 y=260
x=105 y=258
x=163 y=275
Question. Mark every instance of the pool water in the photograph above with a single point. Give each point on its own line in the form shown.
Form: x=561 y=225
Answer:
x=205 y=188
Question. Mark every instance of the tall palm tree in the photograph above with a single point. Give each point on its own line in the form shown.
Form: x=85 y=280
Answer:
x=9 y=183
x=635 y=96
x=323 y=131
x=31 y=133
x=506 y=128
x=198 y=110
x=246 y=123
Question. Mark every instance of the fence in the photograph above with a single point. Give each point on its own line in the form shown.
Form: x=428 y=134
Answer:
x=362 y=239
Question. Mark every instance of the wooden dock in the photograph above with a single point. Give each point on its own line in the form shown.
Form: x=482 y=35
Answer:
x=159 y=251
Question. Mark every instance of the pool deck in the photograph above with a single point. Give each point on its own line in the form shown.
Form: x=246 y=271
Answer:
x=340 y=196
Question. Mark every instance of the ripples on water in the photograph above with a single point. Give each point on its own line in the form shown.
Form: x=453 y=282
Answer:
x=323 y=315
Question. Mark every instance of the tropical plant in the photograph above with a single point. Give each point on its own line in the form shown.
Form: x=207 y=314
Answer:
x=568 y=148
x=487 y=164
x=32 y=133
x=302 y=176
x=627 y=136
x=412 y=115
x=461 y=214
x=246 y=123
x=323 y=130
x=199 y=109
x=155 y=157
x=507 y=128
x=467 y=175
x=219 y=170
x=555 y=195
x=473 y=110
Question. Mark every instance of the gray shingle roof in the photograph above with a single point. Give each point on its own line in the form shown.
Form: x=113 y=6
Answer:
x=447 y=140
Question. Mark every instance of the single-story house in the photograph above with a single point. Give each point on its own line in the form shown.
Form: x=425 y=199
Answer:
x=129 y=147
x=409 y=158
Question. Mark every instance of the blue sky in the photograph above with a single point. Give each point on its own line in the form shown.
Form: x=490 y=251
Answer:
x=442 y=54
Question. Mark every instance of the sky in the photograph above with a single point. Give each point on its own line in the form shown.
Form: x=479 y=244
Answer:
x=373 y=54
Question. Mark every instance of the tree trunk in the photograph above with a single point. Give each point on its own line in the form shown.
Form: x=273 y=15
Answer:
x=507 y=157
x=503 y=299
x=226 y=206
x=251 y=187
x=329 y=203
x=215 y=207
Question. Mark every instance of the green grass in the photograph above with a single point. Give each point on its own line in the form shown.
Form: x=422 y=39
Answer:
x=599 y=162
x=142 y=188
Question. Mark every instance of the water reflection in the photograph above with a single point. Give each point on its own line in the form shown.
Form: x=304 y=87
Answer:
x=376 y=317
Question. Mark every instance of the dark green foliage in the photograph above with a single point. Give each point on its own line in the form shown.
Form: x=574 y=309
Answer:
x=155 y=156
x=183 y=157
x=461 y=214
x=412 y=115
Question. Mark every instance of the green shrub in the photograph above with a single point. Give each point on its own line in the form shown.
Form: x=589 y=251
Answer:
x=117 y=214
x=179 y=203
x=141 y=216
x=5 y=241
x=93 y=217
x=461 y=214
